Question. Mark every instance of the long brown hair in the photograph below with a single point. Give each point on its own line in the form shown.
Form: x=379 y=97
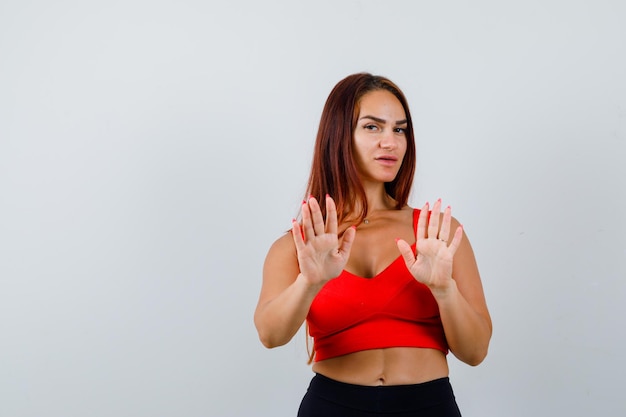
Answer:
x=333 y=170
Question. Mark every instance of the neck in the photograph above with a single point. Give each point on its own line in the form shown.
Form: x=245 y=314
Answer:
x=377 y=200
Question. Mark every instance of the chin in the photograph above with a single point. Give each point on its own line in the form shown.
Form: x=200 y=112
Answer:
x=390 y=178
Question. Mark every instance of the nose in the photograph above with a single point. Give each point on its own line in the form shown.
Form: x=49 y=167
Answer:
x=388 y=141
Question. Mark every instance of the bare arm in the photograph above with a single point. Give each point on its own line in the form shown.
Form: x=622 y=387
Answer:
x=451 y=273
x=296 y=268
x=285 y=295
x=464 y=314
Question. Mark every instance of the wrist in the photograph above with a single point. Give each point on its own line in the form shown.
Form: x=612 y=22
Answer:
x=446 y=291
x=309 y=286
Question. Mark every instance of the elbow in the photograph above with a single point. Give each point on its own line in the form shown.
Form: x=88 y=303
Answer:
x=480 y=353
x=476 y=359
x=270 y=342
x=266 y=336
x=267 y=341
x=472 y=357
x=477 y=355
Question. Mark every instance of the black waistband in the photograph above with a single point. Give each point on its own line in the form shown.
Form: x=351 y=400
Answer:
x=388 y=398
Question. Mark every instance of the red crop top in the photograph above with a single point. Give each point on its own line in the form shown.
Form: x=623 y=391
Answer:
x=391 y=309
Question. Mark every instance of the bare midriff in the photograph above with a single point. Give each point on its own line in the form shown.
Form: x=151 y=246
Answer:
x=390 y=366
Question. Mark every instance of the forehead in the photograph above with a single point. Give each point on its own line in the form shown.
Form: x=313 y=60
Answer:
x=381 y=102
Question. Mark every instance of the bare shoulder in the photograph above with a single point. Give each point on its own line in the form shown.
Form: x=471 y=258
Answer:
x=282 y=250
x=281 y=266
x=465 y=273
x=464 y=257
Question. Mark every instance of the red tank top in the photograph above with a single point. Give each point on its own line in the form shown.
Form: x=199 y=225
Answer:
x=391 y=309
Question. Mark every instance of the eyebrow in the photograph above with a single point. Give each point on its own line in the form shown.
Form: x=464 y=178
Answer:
x=382 y=121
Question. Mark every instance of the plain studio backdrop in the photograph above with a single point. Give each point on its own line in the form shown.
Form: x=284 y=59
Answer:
x=151 y=152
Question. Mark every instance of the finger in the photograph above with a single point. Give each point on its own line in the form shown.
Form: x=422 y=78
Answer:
x=456 y=240
x=346 y=242
x=307 y=223
x=433 y=221
x=316 y=216
x=296 y=233
x=331 y=215
x=406 y=251
x=422 y=222
x=444 y=232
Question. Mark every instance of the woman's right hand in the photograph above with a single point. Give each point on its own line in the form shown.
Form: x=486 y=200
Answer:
x=321 y=254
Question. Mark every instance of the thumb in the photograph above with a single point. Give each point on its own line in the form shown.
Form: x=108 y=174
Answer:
x=406 y=251
x=346 y=242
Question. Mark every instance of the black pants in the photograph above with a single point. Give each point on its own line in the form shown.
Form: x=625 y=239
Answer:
x=329 y=398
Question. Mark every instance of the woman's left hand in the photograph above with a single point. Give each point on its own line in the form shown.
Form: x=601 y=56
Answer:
x=432 y=266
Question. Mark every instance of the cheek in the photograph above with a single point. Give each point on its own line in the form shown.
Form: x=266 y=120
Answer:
x=359 y=147
x=358 y=157
x=403 y=146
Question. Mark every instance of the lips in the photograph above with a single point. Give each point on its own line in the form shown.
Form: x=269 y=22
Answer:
x=387 y=159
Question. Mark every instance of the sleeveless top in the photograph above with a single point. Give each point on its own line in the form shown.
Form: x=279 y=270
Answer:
x=391 y=309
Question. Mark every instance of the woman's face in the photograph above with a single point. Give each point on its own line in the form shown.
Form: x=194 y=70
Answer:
x=379 y=138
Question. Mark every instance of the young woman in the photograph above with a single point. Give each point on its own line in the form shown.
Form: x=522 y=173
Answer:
x=386 y=290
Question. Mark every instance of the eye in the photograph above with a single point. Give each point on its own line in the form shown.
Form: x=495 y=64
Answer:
x=371 y=127
x=400 y=130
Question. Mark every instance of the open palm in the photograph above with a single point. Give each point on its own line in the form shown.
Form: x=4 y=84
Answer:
x=321 y=254
x=433 y=264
